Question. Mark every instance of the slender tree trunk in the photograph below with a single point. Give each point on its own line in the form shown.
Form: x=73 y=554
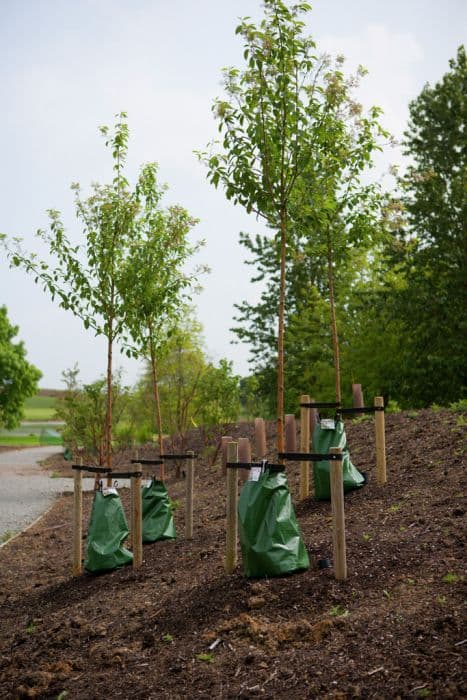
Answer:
x=280 y=336
x=157 y=402
x=335 y=338
x=108 y=417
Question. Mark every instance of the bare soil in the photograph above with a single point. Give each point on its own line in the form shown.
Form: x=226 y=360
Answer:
x=393 y=629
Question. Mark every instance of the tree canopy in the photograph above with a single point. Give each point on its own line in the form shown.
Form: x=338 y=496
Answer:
x=18 y=377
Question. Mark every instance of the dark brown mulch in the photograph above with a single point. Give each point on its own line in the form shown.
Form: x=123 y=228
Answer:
x=392 y=629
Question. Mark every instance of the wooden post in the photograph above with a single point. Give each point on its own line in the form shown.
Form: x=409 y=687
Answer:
x=313 y=421
x=381 y=476
x=190 y=473
x=78 y=522
x=357 y=396
x=232 y=517
x=244 y=455
x=224 y=442
x=338 y=518
x=137 y=519
x=260 y=439
x=290 y=433
x=132 y=498
x=304 y=447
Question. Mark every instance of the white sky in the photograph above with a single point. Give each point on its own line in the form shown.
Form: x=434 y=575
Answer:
x=69 y=66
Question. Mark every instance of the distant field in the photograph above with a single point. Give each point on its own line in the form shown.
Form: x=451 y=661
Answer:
x=19 y=441
x=40 y=408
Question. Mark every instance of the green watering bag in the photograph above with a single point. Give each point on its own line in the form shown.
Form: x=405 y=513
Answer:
x=158 y=522
x=107 y=532
x=323 y=440
x=270 y=538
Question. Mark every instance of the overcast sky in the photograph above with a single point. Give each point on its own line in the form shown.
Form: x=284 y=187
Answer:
x=70 y=65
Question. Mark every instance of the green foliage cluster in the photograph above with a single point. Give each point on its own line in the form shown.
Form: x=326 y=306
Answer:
x=193 y=390
x=18 y=377
x=398 y=266
x=83 y=408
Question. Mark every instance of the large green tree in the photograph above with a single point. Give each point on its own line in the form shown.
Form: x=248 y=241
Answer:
x=434 y=301
x=18 y=377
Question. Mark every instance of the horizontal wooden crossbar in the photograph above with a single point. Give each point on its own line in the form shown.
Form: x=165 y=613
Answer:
x=93 y=470
x=251 y=465
x=310 y=456
x=105 y=470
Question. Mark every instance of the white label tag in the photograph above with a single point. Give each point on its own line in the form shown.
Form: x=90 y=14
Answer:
x=109 y=491
x=255 y=473
x=328 y=424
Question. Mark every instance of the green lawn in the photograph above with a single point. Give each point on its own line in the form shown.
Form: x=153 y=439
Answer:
x=19 y=440
x=40 y=408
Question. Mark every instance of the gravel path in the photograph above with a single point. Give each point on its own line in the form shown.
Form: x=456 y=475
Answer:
x=26 y=491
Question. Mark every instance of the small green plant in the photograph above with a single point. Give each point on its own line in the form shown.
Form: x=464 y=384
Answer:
x=167 y=638
x=436 y=407
x=338 y=611
x=55 y=475
x=424 y=693
x=441 y=599
x=31 y=628
x=451 y=577
x=7 y=535
x=411 y=581
x=362 y=419
x=402 y=528
x=62 y=695
x=460 y=405
x=367 y=537
x=206 y=657
x=393 y=407
x=412 y=414
x=174 y=504
x=386 y=594
x=395 y=507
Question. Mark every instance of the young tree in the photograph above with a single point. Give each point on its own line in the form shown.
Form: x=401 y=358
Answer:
x=18 y=378
x=156 y=283
x=83 y=408
x=338 y=214
x=269 y=121
x=91 y=279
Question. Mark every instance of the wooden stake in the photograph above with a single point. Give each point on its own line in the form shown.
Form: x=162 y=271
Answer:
x=78 y=522
x=304 y=447
x=260 y=439
x=224 y=442
x=313 y=421
x=357 y=396
x=244 y=455
x=137 y=519
x=381 y=476
x=232 y=517
x=290 y=433
x=338 y=518
x=190 y=473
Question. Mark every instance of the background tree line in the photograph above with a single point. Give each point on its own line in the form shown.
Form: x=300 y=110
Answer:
x=358 y=284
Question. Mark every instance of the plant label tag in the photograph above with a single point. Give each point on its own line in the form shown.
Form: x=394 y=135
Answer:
x=255 y=473
x=109 y=491
x=328 y=424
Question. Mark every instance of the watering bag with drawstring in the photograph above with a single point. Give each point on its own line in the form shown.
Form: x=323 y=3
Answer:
x=323 y=439
x=270 y=538
x=107 y=531
x=158 y=522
